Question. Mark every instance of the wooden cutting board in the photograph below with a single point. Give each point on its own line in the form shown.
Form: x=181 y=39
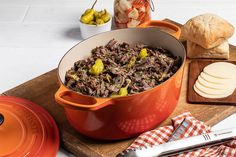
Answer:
x=195 y=68
x=41 y=91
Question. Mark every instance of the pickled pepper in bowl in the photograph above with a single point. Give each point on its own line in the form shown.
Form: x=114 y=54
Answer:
x=93 y=17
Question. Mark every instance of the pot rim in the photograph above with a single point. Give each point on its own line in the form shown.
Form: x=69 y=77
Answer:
x=128 y=96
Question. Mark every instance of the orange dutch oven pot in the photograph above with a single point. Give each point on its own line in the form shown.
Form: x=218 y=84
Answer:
x=128 y=116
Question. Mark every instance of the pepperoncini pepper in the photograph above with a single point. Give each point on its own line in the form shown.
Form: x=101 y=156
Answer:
x=92 y=23
x=105 y=16
x=143 y=53
x=88 y=15
x=99 y=21
x=123 y=91
x=132 y=62
x=89 y=10
x=86 y=18
x=163 y=76
x=96 y=14
x=97 y=68
x=73 y=76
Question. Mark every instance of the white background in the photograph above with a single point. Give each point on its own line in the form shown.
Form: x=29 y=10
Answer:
x=34 y=34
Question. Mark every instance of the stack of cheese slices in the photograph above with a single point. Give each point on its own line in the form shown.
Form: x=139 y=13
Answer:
x=217 y=80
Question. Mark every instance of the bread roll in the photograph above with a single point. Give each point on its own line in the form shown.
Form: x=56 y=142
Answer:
x=219 y=52
x=207 y=30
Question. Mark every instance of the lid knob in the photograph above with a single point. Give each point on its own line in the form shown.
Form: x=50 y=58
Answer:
x=1 y=119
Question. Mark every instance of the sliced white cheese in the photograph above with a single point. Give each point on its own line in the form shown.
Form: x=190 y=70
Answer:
x=212 y=85
x=223 y=70
x=210 y=90
x=216 y=80
x=199 y=92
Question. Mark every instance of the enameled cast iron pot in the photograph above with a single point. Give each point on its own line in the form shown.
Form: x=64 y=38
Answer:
x=128 y=116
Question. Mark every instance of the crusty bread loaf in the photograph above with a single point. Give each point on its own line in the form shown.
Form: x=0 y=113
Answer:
x=207 y=30
x=219 y=52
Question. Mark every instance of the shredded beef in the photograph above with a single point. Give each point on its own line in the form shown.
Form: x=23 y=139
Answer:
x=145 y=74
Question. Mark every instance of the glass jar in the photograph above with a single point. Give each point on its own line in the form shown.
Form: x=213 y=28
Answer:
x=131 y=13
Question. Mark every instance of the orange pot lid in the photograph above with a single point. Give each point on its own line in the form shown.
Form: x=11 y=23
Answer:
x=26 y=129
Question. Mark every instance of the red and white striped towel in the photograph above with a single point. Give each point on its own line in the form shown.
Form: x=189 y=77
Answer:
x=195 y=127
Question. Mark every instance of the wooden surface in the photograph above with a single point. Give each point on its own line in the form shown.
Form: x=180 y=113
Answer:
x=41 y=91
x=195 y=68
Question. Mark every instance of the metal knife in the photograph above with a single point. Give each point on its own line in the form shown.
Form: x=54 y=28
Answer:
x=183 y=145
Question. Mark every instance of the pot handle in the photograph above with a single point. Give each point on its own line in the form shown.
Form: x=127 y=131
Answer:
x=70 y=99
x=1 y=119
x=169 y=25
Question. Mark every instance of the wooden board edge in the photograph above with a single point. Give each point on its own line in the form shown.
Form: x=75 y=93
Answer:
x=189 y=100
x=212 y=103
x=81 y=151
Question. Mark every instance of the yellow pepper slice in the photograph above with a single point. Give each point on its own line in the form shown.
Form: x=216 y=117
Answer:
x=132 y=62
x=123 y=91
x=143 y=53
x=97 y=68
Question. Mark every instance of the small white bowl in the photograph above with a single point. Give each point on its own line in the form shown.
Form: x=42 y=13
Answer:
x=90 y=30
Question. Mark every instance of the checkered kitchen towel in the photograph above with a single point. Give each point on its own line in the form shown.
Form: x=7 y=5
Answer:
x=194 y=127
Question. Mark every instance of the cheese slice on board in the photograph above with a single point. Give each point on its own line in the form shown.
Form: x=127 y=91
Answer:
x=212 y=96
x=212 y=85
x=222 y=70
x=210 y=90
x=216 y=80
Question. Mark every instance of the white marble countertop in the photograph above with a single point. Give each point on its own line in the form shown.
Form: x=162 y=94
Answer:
x=34 y=34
